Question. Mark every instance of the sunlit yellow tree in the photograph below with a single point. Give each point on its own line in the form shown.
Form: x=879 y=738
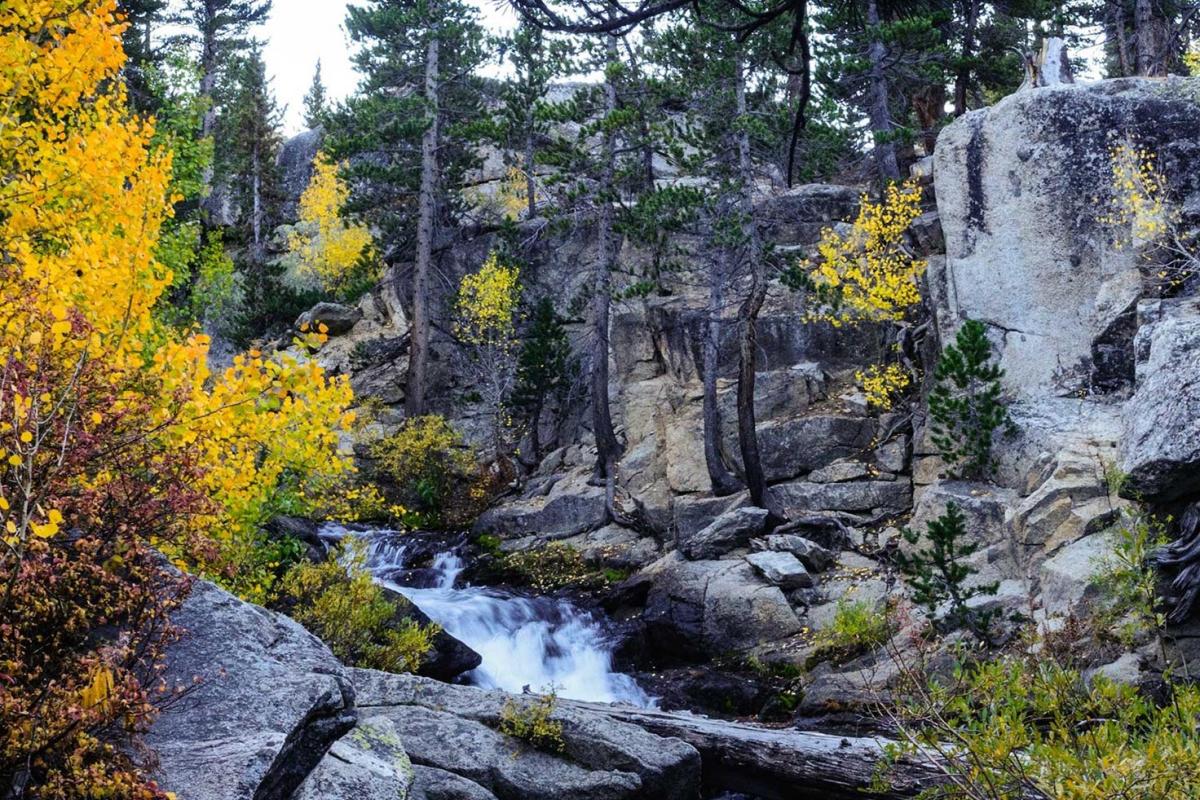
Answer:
x=485 y=319
x=867 y=274
x=114 y=436
x=327 y=249
x=1144 y=220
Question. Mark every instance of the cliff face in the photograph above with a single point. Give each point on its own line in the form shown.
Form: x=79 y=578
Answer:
x=1100 y=363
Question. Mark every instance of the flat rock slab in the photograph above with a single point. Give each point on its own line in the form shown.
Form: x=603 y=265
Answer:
x=456 y=729
x=368 y=762
x=270 y=701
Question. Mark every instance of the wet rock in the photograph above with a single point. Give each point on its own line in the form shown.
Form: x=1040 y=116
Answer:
x=455 y=729
x=368 y=762
x=1161 y=442
x=337 y=318
x=271 y=701
x=781 y=569
x=727 y=532
x=450 y=657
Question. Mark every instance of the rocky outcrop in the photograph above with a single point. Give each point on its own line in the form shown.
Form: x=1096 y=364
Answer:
x=1161 y=441
x=713 y=607
x=368 y=762
x=264 y=700
x=731 y=530
x=1020 y=186
x=455 y=729
x=551 y=510
x=335 y=317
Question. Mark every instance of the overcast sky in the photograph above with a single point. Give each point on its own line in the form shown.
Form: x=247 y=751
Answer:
x=301 y=31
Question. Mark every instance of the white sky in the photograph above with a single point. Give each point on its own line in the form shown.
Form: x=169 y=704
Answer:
x=301 y=31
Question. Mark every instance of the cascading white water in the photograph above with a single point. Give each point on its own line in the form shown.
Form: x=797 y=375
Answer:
x=527 y=643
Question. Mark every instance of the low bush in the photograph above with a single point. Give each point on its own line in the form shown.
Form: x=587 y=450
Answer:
x=1029 y=727
x=533 y=721
x=857 y=628
x=339 y=602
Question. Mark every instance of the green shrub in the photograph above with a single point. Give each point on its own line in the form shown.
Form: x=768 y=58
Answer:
x=1029 y=727
x=966 y=406
x=1129 y=605
x=434 y=470
x=532 y=721
x=857 y=627
x=939 y=574
x=339 y=602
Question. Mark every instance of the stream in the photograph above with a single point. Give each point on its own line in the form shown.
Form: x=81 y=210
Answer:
x=535 y=644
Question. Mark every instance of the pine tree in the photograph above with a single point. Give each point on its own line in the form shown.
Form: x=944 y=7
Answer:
x=544 y=367
x=316 y=104
x=966 y=406
x=405 y=137
x=939 y=574
x=142 y=17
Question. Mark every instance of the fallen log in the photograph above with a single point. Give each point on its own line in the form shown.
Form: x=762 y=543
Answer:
x=782 y=763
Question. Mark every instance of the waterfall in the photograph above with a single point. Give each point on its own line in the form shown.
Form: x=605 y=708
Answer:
x=527 y=643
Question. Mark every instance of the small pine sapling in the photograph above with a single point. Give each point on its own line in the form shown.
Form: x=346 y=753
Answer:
x=939 y=574
x=966 y=405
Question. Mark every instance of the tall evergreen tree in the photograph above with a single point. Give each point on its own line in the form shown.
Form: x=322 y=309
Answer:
x=316 y=103
x=143 y=17
x=405 y=131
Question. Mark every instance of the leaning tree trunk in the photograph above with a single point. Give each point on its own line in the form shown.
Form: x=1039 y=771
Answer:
x=879 y=109
x=418 y=349
x=962 y=78
x=748 y=313
x=608 y=449
x=722 y=480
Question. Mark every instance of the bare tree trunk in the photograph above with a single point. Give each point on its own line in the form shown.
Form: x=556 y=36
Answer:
x=208 y=86
x=963 y=78
x=878 y=110
x=748 y=313
x=1143 y=21
x=722 y=480
x=256 y=211
x=608 y=449
x=418 y=350
x=1118 y=42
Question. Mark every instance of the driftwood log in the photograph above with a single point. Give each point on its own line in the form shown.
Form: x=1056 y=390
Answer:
x=1183 y=555
x=782 y=763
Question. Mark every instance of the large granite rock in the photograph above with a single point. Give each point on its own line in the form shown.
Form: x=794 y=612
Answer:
x=368 y=762
x=270 y=701
x=295 y=163
x=801 y=497
x=713 y=607
x=455 y=729
x=1020 y=188
x=793 y=447
x=1161 y=442
x=571 y=506
x=731 y=530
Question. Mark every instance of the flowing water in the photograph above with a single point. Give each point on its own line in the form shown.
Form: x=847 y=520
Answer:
x=527 y=643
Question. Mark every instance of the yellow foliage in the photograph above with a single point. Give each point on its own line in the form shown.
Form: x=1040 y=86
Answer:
x=514 y=193
x=867 y=274
x=328 y=248
x=486 y=306
x=82 y=200
x=883 y=383
x=1138 y=206
x=1191 y=60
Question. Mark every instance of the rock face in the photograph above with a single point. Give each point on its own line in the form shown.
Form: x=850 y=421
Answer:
x=270 y=702
x=713 y=607
x=1161 y=442
x=1020 y=186
x=726 y=532
x=455 y=730
x=570 y=507
x=368 y=762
